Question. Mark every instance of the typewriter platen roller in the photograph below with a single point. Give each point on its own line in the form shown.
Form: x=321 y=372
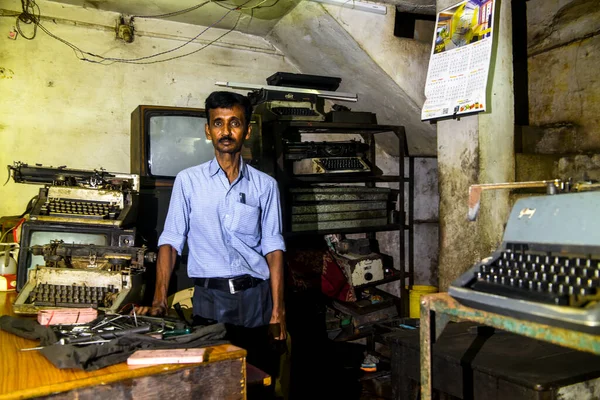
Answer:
x=102 y=277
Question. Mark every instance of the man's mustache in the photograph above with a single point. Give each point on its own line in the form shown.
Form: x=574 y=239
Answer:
x=227 y=138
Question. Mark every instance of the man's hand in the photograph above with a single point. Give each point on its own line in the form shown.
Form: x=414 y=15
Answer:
x=275 y=263
x=277 y=327
x=154 y=311
x=164 y=268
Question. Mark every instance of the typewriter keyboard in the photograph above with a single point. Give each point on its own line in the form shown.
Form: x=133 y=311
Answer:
x=45 y=294
x=82 y=208
x=342 y=164
x=297 y=111
x=540 y=277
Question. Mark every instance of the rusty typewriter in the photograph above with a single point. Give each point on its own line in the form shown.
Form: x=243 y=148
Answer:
x=90 y=197
x=81 y=276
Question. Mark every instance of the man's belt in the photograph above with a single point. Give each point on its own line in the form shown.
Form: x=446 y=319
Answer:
x=231 y=285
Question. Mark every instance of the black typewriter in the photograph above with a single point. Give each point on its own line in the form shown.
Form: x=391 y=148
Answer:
x=547 y=269
x=81 y=197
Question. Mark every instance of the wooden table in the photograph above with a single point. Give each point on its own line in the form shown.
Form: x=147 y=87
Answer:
x=28 y=374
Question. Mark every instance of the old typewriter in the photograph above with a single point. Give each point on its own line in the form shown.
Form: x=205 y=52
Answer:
x=75 y=196
x=287 y=106
x=75 y=275
x=327 y=157
x=547 y=268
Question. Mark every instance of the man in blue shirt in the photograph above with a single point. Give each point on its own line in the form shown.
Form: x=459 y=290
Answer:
x=230 y=215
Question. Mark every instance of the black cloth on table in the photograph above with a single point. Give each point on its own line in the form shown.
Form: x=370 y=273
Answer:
x=95 y=356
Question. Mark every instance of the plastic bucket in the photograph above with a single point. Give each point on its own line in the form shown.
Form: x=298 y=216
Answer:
x=415 y=298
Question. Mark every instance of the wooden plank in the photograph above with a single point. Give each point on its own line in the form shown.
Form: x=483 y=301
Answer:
x=29 y=374
x=257 y=376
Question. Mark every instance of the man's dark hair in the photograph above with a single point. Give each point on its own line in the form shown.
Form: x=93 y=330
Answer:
x=228 y=100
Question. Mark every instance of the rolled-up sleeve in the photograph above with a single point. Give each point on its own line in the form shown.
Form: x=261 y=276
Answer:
x=271 y=225
x=177 y=222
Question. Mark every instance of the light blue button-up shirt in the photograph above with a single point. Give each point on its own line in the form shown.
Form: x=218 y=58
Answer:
x=229 y=227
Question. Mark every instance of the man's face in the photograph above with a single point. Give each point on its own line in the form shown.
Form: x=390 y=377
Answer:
x=227 y=129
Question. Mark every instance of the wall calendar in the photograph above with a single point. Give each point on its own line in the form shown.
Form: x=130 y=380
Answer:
x=460 y=60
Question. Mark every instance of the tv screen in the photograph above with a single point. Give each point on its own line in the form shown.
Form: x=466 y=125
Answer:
x=34 y=233
x=176 y=142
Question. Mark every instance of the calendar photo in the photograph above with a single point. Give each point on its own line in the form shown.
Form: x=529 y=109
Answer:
x=460 y=60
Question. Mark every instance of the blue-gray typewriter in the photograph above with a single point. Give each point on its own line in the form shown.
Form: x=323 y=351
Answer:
x=547 y=268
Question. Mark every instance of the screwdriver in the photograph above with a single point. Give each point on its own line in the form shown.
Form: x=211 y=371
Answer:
x=176 y=332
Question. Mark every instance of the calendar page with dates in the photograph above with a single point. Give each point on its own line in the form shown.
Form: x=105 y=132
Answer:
x=460 y=60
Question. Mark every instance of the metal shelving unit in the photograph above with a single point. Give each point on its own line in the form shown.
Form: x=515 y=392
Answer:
x=280 y=131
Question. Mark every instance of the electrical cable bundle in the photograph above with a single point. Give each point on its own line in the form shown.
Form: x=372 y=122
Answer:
x=31 y=15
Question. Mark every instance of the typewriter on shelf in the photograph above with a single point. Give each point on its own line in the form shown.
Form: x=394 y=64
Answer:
x=287 y=106
x=75 y=196
x=547 y=268
x=75 y=275
x=327 y=157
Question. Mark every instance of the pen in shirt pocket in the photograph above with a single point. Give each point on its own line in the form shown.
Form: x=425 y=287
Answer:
x=243 y=198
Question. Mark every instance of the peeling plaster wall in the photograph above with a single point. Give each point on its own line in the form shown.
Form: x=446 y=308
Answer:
x=564 y=87
x=477 y=149
x=57 y=110
x=318 y=44
x=404 y=60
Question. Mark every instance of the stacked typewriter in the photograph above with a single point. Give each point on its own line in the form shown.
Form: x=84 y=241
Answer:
x=78 y=247
x=79 y=196
x=548 y=266
x=330 y=208
x=102 y=277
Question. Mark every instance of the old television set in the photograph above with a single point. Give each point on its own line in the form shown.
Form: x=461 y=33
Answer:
x=167 y=140
x=36 y=233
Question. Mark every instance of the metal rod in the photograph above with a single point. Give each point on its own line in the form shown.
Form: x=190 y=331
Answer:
x=59 y=343
x=475 y=191
x=411 y=221
x=341 y=96
x=426 y=339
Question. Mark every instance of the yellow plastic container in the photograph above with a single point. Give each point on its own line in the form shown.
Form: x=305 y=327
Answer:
x=414 y=297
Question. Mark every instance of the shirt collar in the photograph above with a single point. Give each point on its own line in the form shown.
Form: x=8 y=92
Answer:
x=214 y=167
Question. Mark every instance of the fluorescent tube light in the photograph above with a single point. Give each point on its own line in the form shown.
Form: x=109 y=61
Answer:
x=341 y=96
x=357 y=5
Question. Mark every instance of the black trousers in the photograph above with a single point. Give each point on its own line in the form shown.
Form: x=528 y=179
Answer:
x=246 y=315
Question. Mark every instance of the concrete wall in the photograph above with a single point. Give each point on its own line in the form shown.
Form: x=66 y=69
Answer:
x=404 y=60
x=564 y=87
x=57 y=110
x=477 y=149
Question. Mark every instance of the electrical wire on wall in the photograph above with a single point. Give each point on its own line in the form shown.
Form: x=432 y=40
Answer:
x=31 y=15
